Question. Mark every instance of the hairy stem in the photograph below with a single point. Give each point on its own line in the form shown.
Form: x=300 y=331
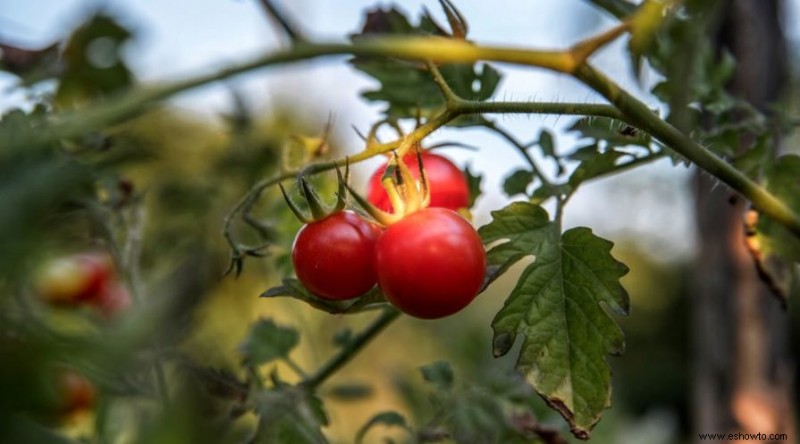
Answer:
x=641 y=116
x=351 y=349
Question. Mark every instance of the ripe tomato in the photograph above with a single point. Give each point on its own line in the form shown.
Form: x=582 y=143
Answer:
x=75 y=393
x=430 y=264
x=75 y=279
x=334 y=257
x=448 y=186
x=113 y=300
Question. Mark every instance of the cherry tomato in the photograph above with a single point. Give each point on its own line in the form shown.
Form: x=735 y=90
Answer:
x=448 y=186
x=431 y=263
x=75 y=279
x=113 y=300
x=334 y=257
x=76 y=394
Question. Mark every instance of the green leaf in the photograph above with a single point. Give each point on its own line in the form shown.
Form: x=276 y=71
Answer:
x=517 y=182
x=775 y=249
x=559 y=307
x=290 y=414
x=547 y=143
x=596 y=166
x=268 y=341
x=407 y=87
x=93 y=61
x=439 y=373
x=385 y=418
x=292 y=288
x=613 y=132
x=474 y=185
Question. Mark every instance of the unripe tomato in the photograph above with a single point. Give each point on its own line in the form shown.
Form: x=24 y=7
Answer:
x=334 y=257
x=75 y=279
x=431 y=263
x=448 y=185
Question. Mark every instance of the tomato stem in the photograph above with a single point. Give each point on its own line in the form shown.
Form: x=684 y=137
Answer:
x=351 y=349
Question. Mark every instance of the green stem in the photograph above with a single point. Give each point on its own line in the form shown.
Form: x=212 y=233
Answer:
x=436 y=49
x=575 y=109
x=644 y=118
x=522 y=149
x=351 y=349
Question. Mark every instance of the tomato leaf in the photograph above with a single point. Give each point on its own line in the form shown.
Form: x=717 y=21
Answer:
x=517 y=182
x=774 y=249
x=290 y=414
x=268 y=341
x=474 y=184
x=408 y=88
x=93 y=60
x=559 y=305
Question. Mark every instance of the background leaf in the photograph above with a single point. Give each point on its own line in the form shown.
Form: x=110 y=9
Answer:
x=557 y=305
x=268 y=341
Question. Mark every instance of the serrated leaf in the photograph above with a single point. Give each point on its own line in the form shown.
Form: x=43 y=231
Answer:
x=439 y=373
x=517 y=182
x=559 y=307
x=268 y=341
x=407 y=87
x=775 y=250
x=384 y=418
x=474 y=185
x=290 y=414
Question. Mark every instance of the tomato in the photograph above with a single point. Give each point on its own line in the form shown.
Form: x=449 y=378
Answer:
x=334 y=257
x=75 y=393
x=75 y=279
x=448 y=185
x=114 y=299
x=431 y=263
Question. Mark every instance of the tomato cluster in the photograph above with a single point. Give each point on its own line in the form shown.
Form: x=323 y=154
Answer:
x=83 y=279
x=429 y=264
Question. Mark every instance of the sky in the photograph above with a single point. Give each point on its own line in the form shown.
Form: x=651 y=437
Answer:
x=179 y=38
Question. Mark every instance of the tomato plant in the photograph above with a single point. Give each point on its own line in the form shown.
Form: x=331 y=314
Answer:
x=95 y=159
x=334 y=257
x=448 y=186
x=431 y=264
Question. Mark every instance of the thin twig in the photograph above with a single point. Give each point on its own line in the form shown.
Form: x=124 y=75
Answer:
x=351 y=348
x=288 y=27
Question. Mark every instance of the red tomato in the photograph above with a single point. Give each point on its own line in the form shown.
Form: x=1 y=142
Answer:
x=448 y=186
x=76 y=394
x=334 y=257
x=430 y=264
x=75 y=279
x=113 y=300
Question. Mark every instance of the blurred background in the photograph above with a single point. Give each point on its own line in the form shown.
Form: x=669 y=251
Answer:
x=189 y=161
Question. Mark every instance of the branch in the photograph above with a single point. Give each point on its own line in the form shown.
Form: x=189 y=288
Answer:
x=288 y=27
x=642 y=117
x=351 y=349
